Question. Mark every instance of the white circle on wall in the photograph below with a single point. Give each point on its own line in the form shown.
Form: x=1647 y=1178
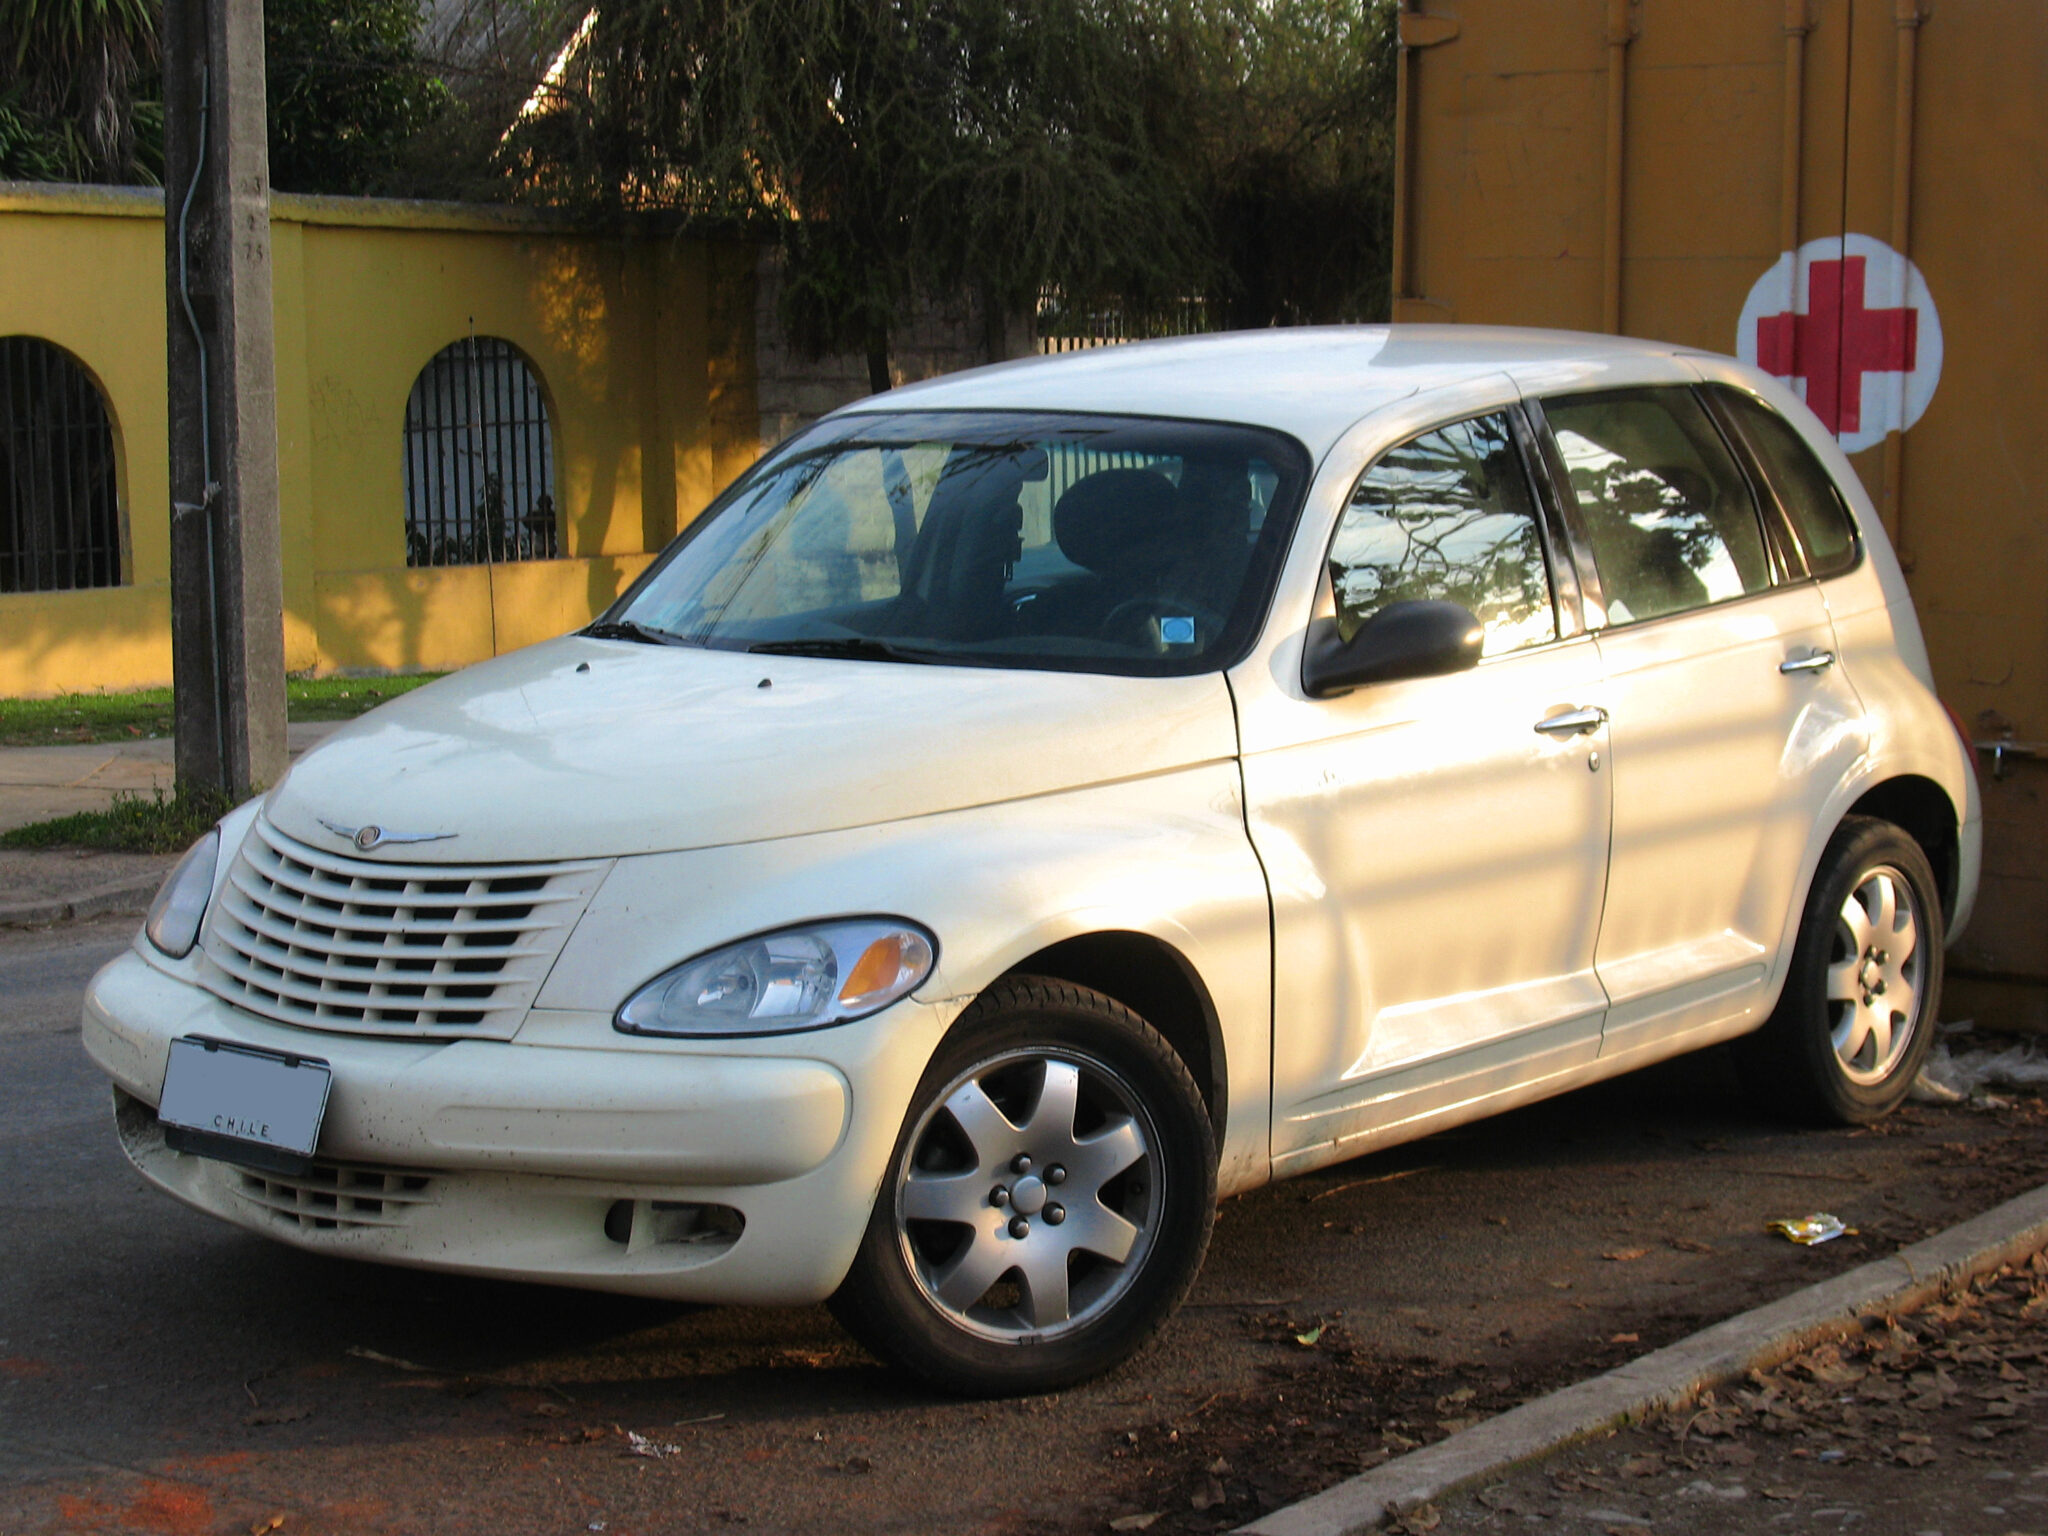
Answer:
x=1849 y=324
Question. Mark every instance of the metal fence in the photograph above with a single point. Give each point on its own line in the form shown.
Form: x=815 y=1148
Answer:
x=1062 y=328
x=60 y=512
x=479 y=459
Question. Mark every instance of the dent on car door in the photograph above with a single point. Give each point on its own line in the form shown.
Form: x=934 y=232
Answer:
x=1730 y=721
x=1437 y=856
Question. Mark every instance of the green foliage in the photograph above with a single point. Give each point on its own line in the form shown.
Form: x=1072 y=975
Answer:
x=1287 y=116
x=161 y=824
x=76 y=90
x=348 y=91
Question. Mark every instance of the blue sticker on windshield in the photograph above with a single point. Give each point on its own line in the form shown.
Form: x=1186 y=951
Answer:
x=1177 y=629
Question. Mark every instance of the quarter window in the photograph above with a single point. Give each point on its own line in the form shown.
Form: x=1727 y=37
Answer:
x=1662 y=501
x=60 y=513
x=1805 y=489
x=1447 y=516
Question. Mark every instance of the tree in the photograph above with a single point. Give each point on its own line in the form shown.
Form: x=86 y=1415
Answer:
x=1285 y=111
x=347 y=91
x=905 y=151
x=77 y=91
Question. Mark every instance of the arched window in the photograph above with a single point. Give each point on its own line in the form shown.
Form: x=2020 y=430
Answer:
x=479 y=459
x=60 y=510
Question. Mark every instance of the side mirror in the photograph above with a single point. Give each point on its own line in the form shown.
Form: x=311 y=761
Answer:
x=1402 y=640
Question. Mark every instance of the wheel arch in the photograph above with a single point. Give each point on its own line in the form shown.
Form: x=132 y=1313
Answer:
x=1922 y=809
x=1155 y=981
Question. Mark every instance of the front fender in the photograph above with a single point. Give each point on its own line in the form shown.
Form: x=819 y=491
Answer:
x=1165 y=856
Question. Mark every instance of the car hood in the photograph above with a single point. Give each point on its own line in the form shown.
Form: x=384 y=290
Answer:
x=583 y=748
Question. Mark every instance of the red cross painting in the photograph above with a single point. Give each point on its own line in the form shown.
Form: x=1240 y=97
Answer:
x=1850 y=324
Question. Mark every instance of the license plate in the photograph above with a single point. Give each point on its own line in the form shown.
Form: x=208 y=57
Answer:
x=242 y=1105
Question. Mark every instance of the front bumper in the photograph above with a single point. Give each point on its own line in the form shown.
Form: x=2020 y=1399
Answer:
x=565 y=1155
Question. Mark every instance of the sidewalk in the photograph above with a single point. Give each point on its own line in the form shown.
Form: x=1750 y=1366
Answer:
x=38 y=783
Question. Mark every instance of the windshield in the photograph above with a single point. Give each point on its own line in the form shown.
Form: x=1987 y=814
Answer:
x=1090 y=543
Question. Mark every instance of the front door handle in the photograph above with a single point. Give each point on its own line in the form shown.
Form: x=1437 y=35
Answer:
x=1574 y=722
x=1819 y=661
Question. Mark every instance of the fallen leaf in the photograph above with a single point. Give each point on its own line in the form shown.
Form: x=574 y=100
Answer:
x=265 y=1416
x=1626 y=1255
x=1308 y=1340
x=265 y=1527
x=1133 y=1522
x=1626 y=1338
x=1208 y=1496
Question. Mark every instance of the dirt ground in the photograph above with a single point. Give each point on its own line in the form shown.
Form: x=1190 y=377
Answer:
x=1934 y=1423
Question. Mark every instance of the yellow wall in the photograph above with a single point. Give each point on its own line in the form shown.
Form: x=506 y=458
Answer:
x=644 y=349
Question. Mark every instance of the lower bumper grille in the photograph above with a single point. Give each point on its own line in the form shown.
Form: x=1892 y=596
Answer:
x=331 y=1197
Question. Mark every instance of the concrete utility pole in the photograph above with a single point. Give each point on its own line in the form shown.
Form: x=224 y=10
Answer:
x=227 y=570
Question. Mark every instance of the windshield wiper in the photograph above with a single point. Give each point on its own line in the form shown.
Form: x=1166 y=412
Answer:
x=850 y=647
x=630 y=629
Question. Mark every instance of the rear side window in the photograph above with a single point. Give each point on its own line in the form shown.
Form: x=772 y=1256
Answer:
x=1805 y=489
x=1663 y=503
x=1447 y=516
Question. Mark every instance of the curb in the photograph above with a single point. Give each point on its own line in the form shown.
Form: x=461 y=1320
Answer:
x=1675 y=1375
x=131 y=895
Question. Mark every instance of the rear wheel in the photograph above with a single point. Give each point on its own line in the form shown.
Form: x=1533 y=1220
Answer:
x=1857 y=1014
x=1048 y=1203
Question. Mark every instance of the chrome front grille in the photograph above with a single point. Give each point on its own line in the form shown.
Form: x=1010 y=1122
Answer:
x=328 y=942
x=330 y=1197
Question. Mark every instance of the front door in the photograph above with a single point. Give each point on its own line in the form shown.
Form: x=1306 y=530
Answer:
x=1436 y=858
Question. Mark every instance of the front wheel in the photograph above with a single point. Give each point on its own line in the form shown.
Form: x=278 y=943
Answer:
x=1857 y=1015
x=1048 y=1202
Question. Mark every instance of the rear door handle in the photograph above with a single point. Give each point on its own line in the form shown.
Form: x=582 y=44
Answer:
x=1574 y=722
x=1819 y=661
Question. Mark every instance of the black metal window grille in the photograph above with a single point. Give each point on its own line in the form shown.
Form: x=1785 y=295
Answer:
x=60 y=511
x=479 y=459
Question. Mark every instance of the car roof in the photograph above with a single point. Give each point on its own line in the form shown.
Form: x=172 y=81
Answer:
x=1311 y=381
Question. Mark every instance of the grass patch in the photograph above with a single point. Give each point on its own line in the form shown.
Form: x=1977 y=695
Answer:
x=160 y=824
x=146 y=712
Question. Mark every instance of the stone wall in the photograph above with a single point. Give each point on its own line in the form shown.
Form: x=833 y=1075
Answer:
x=793 y=390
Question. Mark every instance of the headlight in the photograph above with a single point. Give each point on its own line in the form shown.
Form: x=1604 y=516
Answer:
x=175 y=915
x=779 y=983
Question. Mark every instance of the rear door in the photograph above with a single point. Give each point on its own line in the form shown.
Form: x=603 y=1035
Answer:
x=1729 y=720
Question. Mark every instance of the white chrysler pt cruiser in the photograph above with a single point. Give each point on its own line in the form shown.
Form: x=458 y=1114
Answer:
x=1029 y=805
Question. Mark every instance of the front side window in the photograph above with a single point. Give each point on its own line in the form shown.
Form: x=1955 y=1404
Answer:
x=1663 y=503
x=1103 y=544
x=1447 y=516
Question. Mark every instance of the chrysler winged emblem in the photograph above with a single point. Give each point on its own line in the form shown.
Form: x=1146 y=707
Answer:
x=373 y=836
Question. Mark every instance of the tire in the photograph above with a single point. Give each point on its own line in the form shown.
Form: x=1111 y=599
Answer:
x=1048 y=1201
x=1857 y=1015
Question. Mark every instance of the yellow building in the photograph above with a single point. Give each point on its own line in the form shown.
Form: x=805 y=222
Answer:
x=486 y=424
